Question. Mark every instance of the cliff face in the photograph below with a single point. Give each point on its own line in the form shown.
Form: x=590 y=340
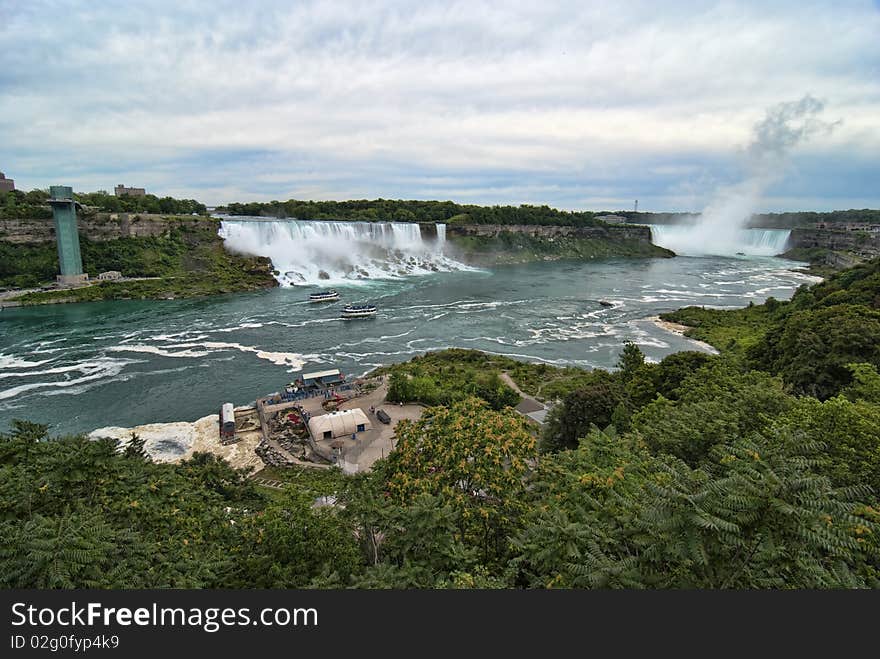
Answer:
x=488 y=244
x=99 y=228
x=861 y=243
x=615 y=232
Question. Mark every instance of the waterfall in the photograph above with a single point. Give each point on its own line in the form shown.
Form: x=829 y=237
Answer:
x=313 y=252
x=441 y=238
x=695 y=240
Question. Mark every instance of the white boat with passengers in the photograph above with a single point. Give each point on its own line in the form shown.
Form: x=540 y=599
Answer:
x=324 y=296
x=358 y=310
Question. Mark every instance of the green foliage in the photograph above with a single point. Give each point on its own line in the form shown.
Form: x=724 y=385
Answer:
x=517 y=247
x=386 y=210
x=471 y=456
x=593 y=404
x=715 y=404
x=442 y=378
x=290 y=544
x=811 y=349
x=189 y=260
x=76 y=513
x=675 y=369
x=752 y=516
x=865 y=384
x=849 y=432
x=856 y=285
x=733 y=330
x=148 y=203
x=31 y=205
x=697 y=472
x=34 y=204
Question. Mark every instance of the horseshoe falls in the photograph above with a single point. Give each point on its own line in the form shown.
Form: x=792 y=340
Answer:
x=700 y=240
x=307 y=252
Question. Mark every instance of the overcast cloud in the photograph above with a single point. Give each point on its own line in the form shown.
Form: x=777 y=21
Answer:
x=574 y=104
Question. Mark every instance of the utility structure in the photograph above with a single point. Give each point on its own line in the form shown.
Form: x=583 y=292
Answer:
x=66 y=235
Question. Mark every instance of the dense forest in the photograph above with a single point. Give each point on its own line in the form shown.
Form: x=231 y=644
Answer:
x=34 y=204
x=388 y=210
x=755 y=468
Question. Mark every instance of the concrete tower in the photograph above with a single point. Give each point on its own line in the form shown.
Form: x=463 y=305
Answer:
x=66 y=235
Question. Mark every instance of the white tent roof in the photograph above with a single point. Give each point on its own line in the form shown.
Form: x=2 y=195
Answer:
x=339 y=423
x=320 y=374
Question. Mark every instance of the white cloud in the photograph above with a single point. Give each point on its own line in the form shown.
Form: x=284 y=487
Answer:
x=376 y=95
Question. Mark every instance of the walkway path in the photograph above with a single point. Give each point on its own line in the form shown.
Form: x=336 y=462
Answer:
x=528 y=406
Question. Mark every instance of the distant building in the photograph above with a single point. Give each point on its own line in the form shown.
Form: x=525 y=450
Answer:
x=6 y=184
x=122 y=191
x=110 y=275
x=612 y=219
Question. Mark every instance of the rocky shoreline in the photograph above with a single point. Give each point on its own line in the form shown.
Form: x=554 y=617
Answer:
x=681 y=330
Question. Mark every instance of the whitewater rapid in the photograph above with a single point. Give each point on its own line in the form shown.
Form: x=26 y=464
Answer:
x=306 y=252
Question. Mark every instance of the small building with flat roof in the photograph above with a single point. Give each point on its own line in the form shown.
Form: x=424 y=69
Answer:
x=320 y=379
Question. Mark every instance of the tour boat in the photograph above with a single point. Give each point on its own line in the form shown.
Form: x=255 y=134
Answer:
x=358 y=311
x=324 y=296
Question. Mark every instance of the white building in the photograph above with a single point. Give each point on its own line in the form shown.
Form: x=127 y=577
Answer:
x=339 y=424
x=110 y=275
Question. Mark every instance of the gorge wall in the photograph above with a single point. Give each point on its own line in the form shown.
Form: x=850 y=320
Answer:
x=99 y=227
x=863 y=243
x=487 y=244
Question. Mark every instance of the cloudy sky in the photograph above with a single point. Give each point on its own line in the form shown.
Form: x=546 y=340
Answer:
x=580 y=105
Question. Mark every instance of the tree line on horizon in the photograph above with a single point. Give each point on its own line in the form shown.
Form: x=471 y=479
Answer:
x=35 y=204
x=390 y=210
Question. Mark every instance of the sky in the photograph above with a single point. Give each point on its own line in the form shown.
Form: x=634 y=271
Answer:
x=578 y=105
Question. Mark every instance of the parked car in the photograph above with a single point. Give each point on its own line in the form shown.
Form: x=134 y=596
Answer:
x=382 y=415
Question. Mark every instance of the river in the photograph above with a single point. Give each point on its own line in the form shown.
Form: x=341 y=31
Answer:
x=82 y=366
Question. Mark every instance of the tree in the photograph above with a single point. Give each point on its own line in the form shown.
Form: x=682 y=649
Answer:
x=850 y=434
x=474 y=459
x=811 y=349
x=582 y=409
x=290 y=544
x=611 y=515
x=716 y=405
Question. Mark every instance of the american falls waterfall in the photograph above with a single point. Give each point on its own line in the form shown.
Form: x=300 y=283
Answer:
x=311 y=252
x=699 y=240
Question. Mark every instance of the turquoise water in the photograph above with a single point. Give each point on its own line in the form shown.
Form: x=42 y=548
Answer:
x=84 y=366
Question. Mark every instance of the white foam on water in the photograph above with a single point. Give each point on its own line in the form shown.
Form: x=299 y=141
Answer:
x=240 y=327
x=99 y=369
x=295 y=361
x=10 y=361
x=327 y=253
